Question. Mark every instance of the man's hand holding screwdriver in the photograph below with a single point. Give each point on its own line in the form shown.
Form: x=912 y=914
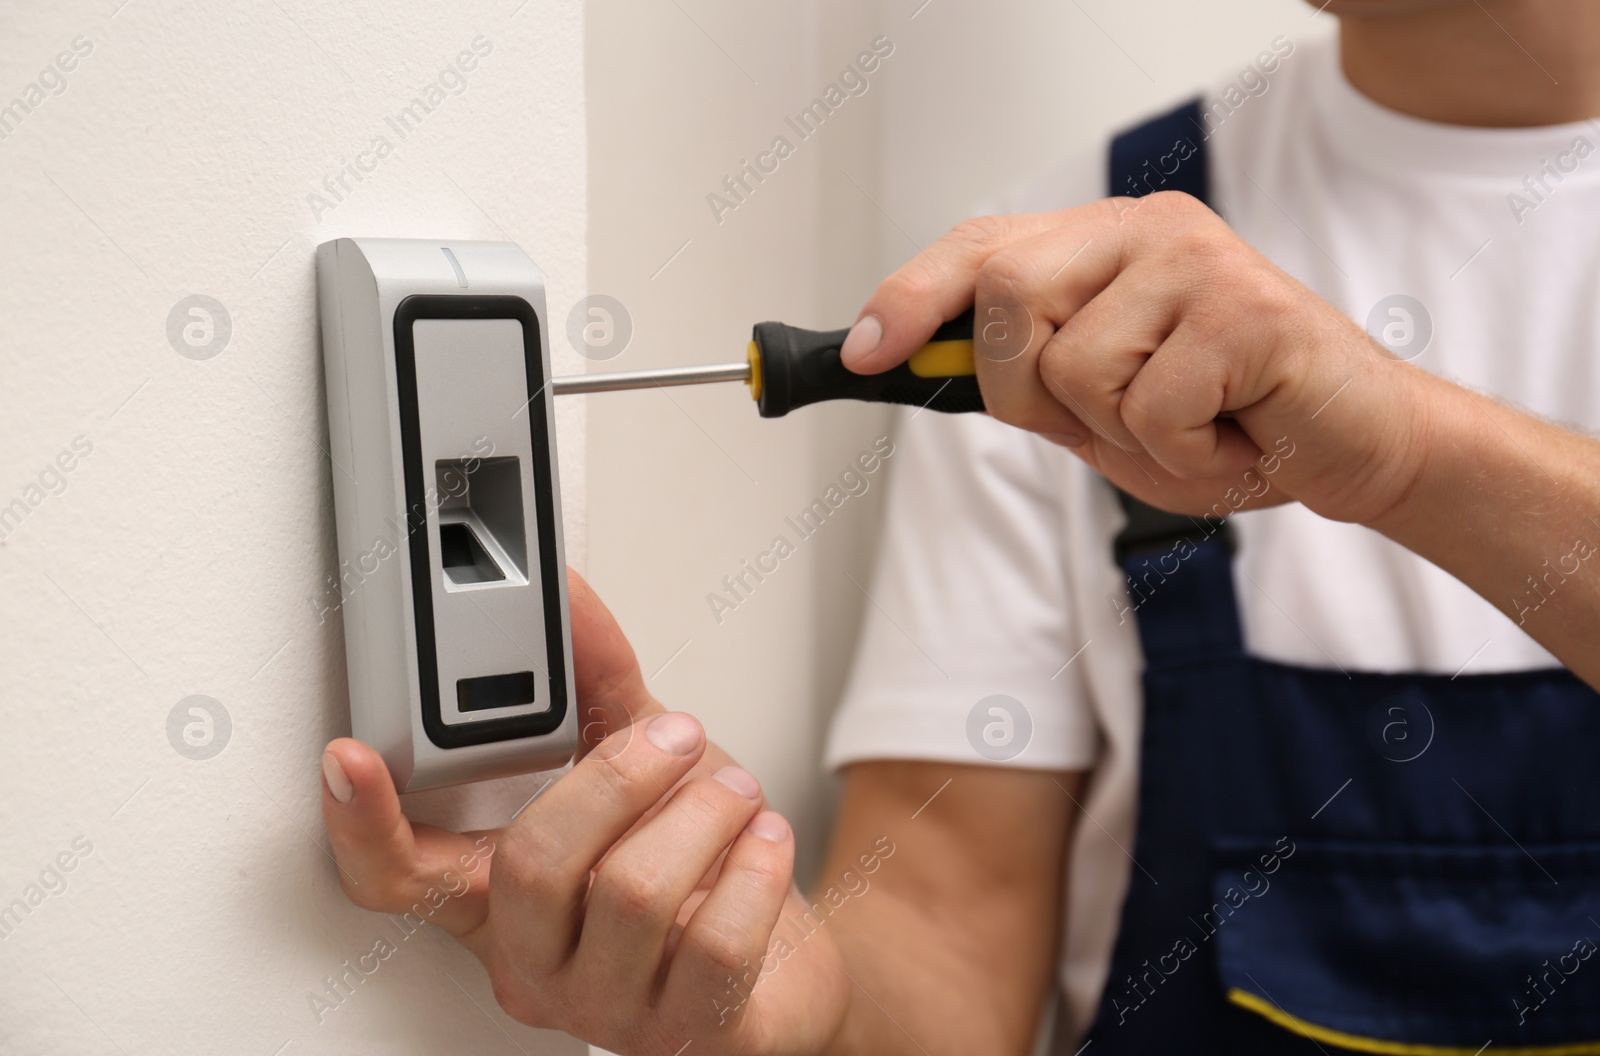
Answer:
x=1164 y=350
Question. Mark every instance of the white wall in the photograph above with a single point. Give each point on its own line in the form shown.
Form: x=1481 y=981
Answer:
x=685 y=487
x=184 y=552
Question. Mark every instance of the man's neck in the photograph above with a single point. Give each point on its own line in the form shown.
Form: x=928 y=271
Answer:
x=1501 y=64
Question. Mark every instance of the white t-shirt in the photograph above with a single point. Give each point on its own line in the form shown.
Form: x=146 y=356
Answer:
x=995 y=567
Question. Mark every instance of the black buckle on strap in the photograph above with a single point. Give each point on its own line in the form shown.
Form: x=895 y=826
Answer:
x=1151 y=530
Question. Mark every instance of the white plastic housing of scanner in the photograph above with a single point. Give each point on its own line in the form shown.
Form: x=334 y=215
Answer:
x=452 y=571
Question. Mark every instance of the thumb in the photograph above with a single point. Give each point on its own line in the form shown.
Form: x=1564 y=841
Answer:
x=610 y=688
x=386 y=863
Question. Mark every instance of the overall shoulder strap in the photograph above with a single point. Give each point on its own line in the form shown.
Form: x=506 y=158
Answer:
x=1165 y=153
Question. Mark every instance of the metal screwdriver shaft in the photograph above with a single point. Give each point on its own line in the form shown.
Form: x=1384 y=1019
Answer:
x=646 y=379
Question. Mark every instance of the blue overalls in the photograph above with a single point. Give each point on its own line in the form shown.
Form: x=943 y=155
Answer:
x=1390 y=863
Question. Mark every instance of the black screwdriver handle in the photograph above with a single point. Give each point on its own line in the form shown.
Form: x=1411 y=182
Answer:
x=797 y=367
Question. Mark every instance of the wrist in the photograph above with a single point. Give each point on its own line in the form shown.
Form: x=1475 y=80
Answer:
x=1446 y=444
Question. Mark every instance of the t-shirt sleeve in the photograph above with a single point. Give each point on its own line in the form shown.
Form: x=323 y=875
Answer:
x=969 y=600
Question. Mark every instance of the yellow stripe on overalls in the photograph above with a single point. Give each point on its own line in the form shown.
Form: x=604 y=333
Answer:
x=1263 y=1007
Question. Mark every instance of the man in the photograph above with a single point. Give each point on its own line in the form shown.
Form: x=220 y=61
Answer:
x=1181 y=853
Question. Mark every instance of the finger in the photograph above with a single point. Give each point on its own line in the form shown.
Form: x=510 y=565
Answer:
x=1058 y=270
x=642 y=885
x=1088 y=364
x=934 y=286
x=730 y=933
x=1061 y=274
x=609 y=686
x=1148 y=481
x=1152 y=378
x=385 y=863
x=543 y=860
x=1172 y=406
x=1023 y=295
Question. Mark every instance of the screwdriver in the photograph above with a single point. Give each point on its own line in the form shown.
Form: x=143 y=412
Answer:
x=788 y=367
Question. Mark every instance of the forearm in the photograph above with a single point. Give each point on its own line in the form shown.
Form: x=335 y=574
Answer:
x=1510 y=505
x=952 y=948
x=914 y=992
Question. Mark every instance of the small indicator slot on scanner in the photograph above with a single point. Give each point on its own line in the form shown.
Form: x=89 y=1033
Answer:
x=495 y=691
